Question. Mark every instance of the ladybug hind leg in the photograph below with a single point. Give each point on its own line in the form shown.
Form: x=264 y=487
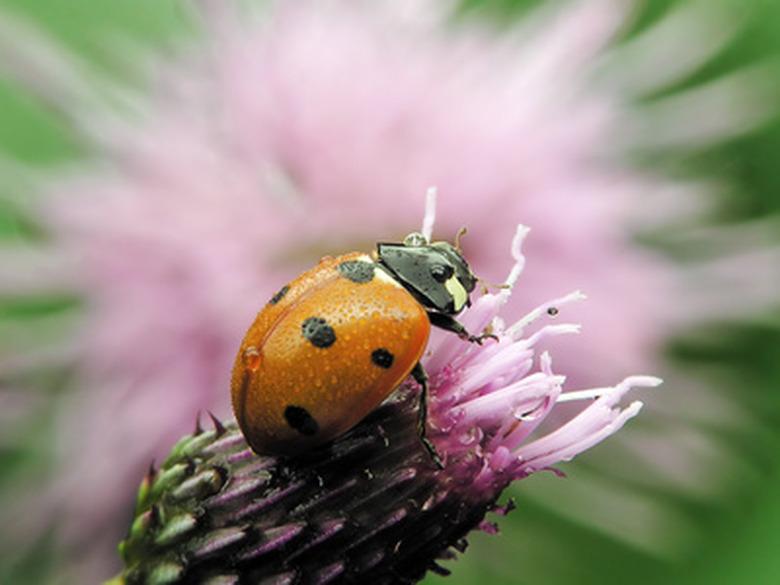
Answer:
x=421 y=377
x=448 y=323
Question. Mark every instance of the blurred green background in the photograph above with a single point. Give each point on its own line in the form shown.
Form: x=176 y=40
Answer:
x=739 y=536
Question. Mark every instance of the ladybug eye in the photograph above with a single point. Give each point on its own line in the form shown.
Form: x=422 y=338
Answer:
x=441 y=272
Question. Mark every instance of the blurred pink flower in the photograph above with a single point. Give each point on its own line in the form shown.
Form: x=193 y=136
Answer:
x=312 y=130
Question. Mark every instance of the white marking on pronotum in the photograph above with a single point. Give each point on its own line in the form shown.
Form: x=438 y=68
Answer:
x=459 y=294
x=379 y=273
x=383 y=276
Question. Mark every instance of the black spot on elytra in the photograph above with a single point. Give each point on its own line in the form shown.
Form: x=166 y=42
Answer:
x=299 y=419
x=317 y=330
x=358 y=271
x=279 y=295
x=382 y=358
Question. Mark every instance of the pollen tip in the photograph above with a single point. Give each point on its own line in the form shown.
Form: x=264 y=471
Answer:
x=641 y=382
x=652 y=381
x=517 y=255
x=517 y=241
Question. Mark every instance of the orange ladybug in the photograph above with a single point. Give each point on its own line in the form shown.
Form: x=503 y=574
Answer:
x=331 y=345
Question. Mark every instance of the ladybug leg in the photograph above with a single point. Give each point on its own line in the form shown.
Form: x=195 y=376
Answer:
x=448 y=323
x=421 y=377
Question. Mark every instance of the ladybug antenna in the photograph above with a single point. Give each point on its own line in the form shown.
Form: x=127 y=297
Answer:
x=517 y=253
x=487 y=286
x=430 y=214
x=461 y=232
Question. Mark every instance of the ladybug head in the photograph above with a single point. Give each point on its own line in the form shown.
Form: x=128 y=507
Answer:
x=434 y=272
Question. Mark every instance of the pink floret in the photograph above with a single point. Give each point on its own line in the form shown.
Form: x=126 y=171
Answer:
x=488 y=399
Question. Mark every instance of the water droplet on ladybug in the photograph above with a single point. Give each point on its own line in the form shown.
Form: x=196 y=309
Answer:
x=252 y=358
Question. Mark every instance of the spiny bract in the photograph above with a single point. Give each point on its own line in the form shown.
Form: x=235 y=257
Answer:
x=360 y=510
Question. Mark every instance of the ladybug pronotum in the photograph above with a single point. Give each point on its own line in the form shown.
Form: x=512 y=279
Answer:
x=335 y=342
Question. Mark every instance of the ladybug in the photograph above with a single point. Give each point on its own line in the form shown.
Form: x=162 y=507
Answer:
x=332 y=344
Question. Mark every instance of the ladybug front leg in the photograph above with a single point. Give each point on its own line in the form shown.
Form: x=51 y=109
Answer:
x=447 y=322
x=421 y=377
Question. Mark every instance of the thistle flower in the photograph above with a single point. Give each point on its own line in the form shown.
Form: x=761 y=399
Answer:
x=373 y=506
x=268 y=142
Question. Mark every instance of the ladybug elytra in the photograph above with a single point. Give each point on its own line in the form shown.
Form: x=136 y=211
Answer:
x=331 y=345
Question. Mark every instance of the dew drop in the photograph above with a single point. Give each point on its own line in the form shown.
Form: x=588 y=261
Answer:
x=252 y=358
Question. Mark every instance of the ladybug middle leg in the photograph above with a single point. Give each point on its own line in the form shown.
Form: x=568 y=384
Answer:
x=448 y=323
x=421 y=377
